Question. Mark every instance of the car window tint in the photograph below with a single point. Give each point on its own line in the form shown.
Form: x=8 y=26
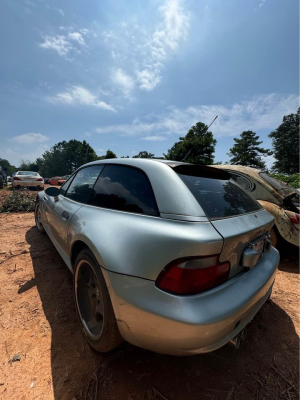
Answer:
x=220 y=198
x=244 y=182
x=83 y=182
x=65 y=185
x=125 y=189
x=27 y=173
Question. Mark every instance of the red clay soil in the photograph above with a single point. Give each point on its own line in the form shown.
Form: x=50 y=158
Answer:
x=39 y=329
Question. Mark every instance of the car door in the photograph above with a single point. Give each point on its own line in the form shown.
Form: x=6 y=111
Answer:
x=61 y=209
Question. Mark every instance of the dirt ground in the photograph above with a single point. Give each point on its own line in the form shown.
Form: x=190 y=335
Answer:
x=38 y=325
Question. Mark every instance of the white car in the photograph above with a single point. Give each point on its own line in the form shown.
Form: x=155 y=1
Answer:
x=27 y=179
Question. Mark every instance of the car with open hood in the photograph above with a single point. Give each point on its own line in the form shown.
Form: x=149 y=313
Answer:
x=280 y=199
x=172 y=257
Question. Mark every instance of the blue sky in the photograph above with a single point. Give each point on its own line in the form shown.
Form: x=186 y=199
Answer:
x=136 y=75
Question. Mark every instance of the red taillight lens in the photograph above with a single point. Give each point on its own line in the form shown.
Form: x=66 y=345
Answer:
x=294 y=218
x=17 y=179
x=193 y=275
x=40 y=179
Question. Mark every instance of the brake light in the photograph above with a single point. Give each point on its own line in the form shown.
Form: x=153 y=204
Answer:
x=40 y=179
x=17 y=179
x=193 y=275
x=294 y=218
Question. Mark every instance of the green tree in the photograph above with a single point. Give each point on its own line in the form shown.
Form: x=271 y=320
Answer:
x=6 y=165
x=285 y=141
x=199 y=142
x=109 y=154
x=144 y=154
x=27 y=165
x=64 y=157
x=246 y=151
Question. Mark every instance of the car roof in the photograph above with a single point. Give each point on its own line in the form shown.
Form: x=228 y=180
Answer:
x=168 y=188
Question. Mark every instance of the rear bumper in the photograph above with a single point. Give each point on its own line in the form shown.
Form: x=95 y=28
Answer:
x=183 y=325
x=27 y=184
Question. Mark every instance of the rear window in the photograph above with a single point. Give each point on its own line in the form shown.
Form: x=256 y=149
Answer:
x=27 y=173
x=217 y=194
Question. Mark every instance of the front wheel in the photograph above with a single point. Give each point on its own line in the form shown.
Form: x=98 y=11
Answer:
x=93 y=304
x=38 y=218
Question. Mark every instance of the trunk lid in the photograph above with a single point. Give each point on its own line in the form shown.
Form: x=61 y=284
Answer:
x=237 y=216
x=238 y=232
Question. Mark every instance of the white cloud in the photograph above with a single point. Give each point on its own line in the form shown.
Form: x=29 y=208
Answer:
x=58 y=43
x=77 y=37
x=124 y=81
x=61 y=12
x=78 y=95
x=164 y=41
x=261 y=112
x=30 y=138
x=154 y=138
x=146 y=52
x=63 y=44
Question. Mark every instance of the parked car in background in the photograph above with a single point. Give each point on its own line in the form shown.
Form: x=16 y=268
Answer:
x=46 y=180
x=281 y=200
x=169 y=256
x=28 y=179
x=57 y=180
x=9 y=179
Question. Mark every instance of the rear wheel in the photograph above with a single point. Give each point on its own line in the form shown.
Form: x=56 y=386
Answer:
x=93 y=304
x=38 y=218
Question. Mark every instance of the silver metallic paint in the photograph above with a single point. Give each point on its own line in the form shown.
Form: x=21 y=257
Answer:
x=132 y=249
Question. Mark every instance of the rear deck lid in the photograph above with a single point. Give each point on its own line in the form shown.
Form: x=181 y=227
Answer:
x=237 y=216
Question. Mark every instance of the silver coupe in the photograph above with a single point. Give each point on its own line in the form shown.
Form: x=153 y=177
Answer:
x=171 y=257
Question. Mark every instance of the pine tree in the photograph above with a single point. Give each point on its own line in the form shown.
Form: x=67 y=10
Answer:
x=285 y=140
x=246 y=151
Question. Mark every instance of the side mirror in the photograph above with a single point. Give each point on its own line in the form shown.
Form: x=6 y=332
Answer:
x=52 y=191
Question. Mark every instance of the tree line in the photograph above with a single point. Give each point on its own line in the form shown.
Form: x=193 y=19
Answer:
x=197 y=146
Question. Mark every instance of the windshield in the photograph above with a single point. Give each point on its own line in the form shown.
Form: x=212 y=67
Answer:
x=27 y=173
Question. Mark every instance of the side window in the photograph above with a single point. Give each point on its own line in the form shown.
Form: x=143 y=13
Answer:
x=82 y=185
x=244 y=182
x=125 y=189
x=64 y=186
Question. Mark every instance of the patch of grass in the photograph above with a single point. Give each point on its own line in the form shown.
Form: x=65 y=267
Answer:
x=18 y=201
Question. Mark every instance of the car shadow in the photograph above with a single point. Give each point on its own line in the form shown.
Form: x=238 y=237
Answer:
x=265 y=366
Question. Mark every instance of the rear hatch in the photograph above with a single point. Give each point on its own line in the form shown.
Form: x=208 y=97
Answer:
x=237 y=216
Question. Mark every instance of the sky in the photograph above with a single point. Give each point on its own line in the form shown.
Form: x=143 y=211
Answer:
x=136 y=75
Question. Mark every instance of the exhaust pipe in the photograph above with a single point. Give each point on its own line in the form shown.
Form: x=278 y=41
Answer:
x=236 y=341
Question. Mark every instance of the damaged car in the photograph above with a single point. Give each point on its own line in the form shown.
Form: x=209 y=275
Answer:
x=278 y=198
x=171 y=257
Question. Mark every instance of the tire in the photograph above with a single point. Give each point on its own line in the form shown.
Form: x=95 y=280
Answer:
x=37 y=218
x=274 y=237
x=93 y=305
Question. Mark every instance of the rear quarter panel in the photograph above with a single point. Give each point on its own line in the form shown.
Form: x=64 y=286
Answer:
x=139 y=245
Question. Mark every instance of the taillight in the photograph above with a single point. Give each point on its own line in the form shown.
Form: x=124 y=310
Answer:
x=193 y=275
x=40 y=179
x=17 y=179
x=294 y=218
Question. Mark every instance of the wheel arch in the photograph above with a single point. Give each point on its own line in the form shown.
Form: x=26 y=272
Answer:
x=79 y=244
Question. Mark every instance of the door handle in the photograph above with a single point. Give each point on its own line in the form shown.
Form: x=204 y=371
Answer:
x=45 y=199
x=65 y=215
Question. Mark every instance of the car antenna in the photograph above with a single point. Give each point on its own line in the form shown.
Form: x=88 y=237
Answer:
x=190 y=150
